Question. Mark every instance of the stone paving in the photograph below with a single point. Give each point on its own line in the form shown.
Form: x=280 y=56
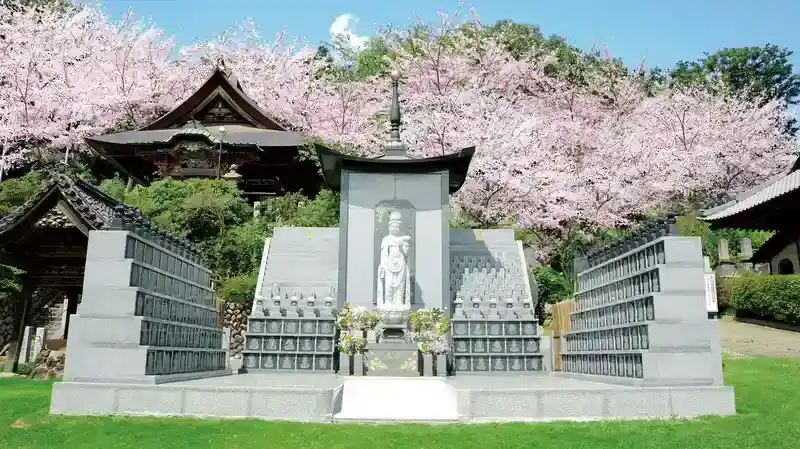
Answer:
x=743 y=339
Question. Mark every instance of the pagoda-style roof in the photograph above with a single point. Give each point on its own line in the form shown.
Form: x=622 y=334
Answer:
x=770 y=206
x=395 y=158
x=64 y=201
x=220 y=101
x=47 y=235
x=218 y=116
x=235 y=135
x=457 y=164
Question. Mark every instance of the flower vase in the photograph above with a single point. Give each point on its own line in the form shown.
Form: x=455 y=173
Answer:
x=441 y=365
x=358 y=364
x=345 y=363
x=427 y=365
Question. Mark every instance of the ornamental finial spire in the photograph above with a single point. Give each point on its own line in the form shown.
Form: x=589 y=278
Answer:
x=395 y=147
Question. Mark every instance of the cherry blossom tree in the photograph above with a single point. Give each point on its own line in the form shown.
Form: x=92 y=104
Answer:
x=549 y=152
x=283 y=76
x=66 y=76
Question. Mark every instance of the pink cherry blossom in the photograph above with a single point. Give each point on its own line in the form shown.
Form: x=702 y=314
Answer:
x=548 y=152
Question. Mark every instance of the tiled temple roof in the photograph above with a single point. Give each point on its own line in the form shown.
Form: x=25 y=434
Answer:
x=65 y=201
x=763 y=207
x=785 y=183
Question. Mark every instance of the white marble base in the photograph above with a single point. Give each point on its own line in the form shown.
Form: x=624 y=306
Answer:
x=398 y=398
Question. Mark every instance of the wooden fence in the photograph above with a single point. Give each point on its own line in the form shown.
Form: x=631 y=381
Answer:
x=560 y=324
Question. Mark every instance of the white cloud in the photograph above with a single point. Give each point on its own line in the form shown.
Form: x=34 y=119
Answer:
x=343 y=28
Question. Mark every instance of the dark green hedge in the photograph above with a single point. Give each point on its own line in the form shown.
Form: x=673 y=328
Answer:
x=767 y=297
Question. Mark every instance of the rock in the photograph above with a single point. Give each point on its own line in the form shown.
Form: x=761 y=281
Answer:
x=48 y=364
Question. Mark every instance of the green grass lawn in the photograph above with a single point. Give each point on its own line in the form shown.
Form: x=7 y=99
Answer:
x=767 y=395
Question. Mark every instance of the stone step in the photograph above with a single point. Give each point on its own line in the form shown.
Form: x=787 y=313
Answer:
x=383 y=399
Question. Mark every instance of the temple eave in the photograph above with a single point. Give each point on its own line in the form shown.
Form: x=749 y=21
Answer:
x=775 y=214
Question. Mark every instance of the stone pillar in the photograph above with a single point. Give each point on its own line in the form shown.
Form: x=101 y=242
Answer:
x=358 y=365
x=71 y=308
x=25 y=350
x=441 y=365
x=226 y=344
x=22 y=302
x=62 y=330
x=344 y=364
x=724 y=254
x=39 y=341
x=747 y=248
x=725 y=267
x=427 y=365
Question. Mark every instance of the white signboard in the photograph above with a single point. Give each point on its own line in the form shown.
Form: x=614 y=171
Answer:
x=711 y=293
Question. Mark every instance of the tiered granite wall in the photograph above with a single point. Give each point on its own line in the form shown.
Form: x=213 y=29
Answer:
x=640 y=315
x=148 y=313
x=291 y=326
x=493 y=326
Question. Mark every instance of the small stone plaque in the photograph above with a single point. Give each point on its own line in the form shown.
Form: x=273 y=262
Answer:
x=274 y=326
x=463 y=364
x=393 y=359
x=308 y=327
x=323 y=362
x=291 y=326
x=256 y=326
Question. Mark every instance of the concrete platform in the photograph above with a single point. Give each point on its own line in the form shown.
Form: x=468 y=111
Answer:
x=404 y=399
x=319 y=398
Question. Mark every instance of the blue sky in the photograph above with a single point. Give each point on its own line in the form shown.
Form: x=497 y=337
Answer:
x=661 y=32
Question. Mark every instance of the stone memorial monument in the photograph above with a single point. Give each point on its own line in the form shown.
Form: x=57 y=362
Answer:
x=337 y=331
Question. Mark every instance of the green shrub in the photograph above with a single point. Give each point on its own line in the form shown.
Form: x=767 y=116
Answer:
x=24 y=369
x=724 y=293
x=768 y=297
x=15 y=191
x=553 y=286
x=238 y=289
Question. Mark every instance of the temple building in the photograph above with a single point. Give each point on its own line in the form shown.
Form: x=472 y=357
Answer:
x=218 y=132
x=772 y=206
x=46 y=237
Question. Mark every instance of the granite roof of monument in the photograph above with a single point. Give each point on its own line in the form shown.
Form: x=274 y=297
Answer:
x=333 y=162
x=395 y=157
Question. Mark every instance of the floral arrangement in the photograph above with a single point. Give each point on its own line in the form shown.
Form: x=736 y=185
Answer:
x=354 y=319
x=430 y=327
x=352 y=322
x=352 y=344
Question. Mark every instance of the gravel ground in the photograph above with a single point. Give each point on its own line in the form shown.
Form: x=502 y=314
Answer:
x=750 y=339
